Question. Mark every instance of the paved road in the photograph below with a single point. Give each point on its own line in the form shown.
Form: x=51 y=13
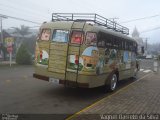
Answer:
x=21 y=93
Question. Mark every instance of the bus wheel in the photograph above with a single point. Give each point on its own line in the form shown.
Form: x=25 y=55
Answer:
x=135 y=74
x=111 y=86
x=113 y=82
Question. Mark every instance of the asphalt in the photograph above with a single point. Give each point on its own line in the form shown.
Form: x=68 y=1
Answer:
x=140 y=99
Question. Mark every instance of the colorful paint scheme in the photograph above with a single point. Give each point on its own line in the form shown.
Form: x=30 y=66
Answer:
x=82 y=54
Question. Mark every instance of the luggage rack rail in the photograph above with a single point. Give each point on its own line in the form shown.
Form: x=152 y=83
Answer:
x=90 y=17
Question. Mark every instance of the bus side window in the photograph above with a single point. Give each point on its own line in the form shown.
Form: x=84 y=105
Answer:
x=123 y=44
x=91 y=38
x=101 y=43
x=45 y=35
x=77 y=37
x=101 y=40
x=108 y=41
x=116 y=43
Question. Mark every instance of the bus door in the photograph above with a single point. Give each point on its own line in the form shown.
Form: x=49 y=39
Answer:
x=74 y=50
x=62 y=51
x=58 y=53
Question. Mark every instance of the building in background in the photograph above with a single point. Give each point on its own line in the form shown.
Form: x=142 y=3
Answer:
x=139 y=40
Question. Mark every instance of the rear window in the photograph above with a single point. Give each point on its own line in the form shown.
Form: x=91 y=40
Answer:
x=45 y=35
x=60 y=36
x=91 y=38
x=77 y=37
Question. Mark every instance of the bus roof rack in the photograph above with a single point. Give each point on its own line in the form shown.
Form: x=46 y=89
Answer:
x=90 y=17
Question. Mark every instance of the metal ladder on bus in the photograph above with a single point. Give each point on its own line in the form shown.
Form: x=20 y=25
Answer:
x=73 y=27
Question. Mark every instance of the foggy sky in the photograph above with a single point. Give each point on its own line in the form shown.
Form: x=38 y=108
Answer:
x=124 y=10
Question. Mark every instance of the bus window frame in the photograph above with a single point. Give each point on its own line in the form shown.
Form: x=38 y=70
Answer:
x=83 y=37
x=85 y=40
x=42 y=32
x=57 y=41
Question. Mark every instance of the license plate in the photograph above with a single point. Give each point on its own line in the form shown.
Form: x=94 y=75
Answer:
x=53 y=80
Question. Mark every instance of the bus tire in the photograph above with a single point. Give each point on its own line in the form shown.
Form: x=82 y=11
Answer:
x=135 y=74
x=112 y=83
x=137 y=66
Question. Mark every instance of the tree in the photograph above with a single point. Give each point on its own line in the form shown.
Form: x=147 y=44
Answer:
x=23 y=56
x=4 y=50
x=30 y=43
x=22 y=31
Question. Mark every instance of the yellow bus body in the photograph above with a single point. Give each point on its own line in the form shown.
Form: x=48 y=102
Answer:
x=58 y=54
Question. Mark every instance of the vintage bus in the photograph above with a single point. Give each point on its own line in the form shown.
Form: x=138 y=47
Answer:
x=84 y=50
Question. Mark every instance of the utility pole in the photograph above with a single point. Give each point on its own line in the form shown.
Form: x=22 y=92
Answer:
x=146 y=46
x=1 y=31
x=114 y=22
x=113 y=19
x=2 y=41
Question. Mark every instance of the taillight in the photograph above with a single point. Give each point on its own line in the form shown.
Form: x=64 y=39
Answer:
x=41 y=55
x=76 y=62
x=76 y=59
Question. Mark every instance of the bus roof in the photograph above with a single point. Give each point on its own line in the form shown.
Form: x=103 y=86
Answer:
x=111 y=32
x=91 y=17
x=88 y=27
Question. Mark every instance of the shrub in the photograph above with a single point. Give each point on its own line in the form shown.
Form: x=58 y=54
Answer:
x=23 y=57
